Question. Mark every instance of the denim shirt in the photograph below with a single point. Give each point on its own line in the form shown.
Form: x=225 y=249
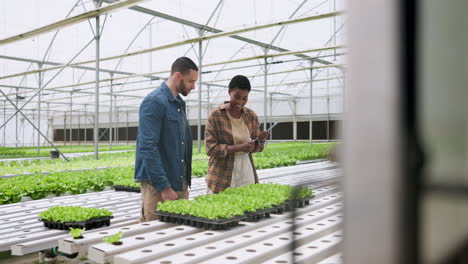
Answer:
x=163 y=156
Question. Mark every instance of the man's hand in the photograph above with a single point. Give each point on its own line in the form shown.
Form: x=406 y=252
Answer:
x=169 y=194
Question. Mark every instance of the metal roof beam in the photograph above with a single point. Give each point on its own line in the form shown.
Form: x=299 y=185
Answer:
x=71 y=20
x=214 y=30
x=57 y=64
x=281 y=72
x=194 y=40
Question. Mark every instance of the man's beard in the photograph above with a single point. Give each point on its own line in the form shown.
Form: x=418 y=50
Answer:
x=181 y=88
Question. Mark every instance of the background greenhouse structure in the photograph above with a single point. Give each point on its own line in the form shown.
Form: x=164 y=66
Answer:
x=74 y=73
x=137 y=47
x=370 y=96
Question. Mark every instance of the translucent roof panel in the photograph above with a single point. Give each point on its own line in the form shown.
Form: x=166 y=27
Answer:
x=156 y=24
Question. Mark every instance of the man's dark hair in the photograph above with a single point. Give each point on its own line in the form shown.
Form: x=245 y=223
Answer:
x=240 y=82
x=183 y=65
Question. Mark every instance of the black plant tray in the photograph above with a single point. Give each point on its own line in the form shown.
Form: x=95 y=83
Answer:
x=199 y=222
x=120 y=188
x=88 y=224
x=261 y=213
x=299 y=203
x=233 y=221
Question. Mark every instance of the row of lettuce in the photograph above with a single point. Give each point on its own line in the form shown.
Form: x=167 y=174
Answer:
x=38 y=186
x=30 y=152
x=276 y=154
x=51 y=165
x=78 y=163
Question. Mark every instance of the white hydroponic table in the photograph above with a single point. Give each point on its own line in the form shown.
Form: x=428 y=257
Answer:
x=316 y=238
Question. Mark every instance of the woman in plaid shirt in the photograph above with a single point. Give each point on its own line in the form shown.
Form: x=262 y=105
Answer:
x=229 y=133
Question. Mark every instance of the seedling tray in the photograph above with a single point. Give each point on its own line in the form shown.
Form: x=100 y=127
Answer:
x=298 y=203
x=120 y=188
x=233 y=221
x=88 y=224
x=199 y=222
x=259 y=214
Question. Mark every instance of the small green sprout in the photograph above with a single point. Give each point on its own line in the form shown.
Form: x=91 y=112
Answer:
x=114 y=238
x=76 y=232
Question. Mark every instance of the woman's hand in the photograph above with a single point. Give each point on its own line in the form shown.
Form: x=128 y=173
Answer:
x=263 y=135
x=247 y=147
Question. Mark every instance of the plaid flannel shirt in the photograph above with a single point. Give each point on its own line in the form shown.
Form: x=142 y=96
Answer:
x=218 y=135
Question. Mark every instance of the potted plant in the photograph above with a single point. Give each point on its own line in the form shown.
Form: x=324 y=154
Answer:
x=114 y=239
x=76 y=232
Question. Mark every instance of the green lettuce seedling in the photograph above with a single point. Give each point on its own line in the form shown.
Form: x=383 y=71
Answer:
x=114 y=238
x=76 y=232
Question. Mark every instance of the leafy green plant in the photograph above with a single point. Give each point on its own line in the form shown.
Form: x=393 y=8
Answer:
x=38 y=186
x=304 y=192
x=83 y=162
x=114 y=238
x=76 y=232
x=72 y=214
x=129 y=182
x=11 y=152
x=233 y=202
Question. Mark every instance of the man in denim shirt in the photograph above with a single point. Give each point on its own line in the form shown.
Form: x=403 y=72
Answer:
x=164 y=143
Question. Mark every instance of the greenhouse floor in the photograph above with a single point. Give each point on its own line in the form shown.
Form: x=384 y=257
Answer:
x=315 y=238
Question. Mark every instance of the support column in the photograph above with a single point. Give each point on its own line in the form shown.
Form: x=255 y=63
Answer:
x=116 y=121
x=22 y=125
x=4 y=128
x=39 y=110
x=96 y=102
x=271 y=115
x=33 y=120
x=79 y=127
x=200 y=59
x=16 y=123
x=127 y=127
x=64 y=128
x=265 y=92
x=71 y=119
x=110 y=111
x=86 y=124
x=294 y=119
x=208 y=106
x=310 y=104
x=334 y=31
x=328 y=104
x=49 y=125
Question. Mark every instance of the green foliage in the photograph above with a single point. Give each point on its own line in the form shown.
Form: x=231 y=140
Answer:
x=72 y=214
x=11 y=152
x=128 y=182
x=113 y=238
x=23 y=152
x=276 y=155
x=233 y=202
x=52 y=165
x=304 y=192
x=76 y=232
x=38 y=186
x=287 y=154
